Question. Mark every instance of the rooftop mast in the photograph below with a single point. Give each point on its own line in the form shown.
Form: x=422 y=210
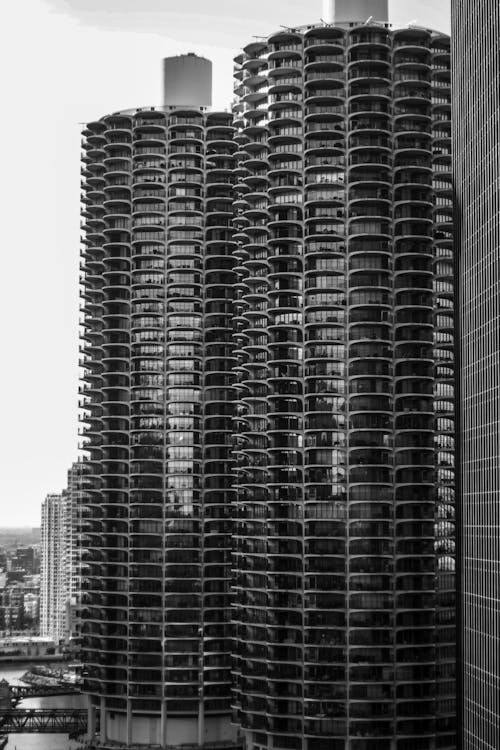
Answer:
x=328 y=14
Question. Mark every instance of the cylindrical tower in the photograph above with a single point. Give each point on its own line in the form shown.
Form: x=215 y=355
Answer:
x=158 y=393
x=344 y=545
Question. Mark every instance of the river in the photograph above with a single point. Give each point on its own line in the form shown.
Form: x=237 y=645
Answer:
x=13 y=673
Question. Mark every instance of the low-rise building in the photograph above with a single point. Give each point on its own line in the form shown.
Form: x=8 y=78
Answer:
x=29 y=646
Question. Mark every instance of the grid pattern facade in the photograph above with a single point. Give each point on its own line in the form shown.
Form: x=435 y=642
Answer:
x=476 y=29
x=157 y=289
x=344 y=542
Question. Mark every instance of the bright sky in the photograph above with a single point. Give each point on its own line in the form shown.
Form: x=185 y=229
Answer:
x=65 y=62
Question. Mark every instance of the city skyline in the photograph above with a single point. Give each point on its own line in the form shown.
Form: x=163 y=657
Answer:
x=48 y=79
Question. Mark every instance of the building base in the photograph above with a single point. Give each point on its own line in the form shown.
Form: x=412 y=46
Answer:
x=108 y=728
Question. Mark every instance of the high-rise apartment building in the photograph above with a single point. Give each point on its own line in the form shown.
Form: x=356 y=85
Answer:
x=476 y=85
x=59 y=569
x=344 y=541
x=157 y=298
x=53 y=586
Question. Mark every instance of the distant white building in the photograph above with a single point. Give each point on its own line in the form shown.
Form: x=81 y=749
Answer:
x=60 y=572
x=54 y=568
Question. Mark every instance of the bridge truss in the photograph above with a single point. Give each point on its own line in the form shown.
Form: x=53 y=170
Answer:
x=43 y=721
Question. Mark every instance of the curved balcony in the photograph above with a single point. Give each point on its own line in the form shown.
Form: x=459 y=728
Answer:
x=117 y=122
x=324 y=40
x=323 y=93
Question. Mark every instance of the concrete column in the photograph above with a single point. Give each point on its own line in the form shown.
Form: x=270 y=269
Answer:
x=129 y=721
x=163 y=724
x=91 y=719
x=201 y=723
x=103 y=717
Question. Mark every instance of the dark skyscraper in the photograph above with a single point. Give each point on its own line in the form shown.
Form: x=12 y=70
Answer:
x=344 y=543
x=157 y=289
x=476 y=85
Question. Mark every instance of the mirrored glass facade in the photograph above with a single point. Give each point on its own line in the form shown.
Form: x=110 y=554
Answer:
x=344 y=551
x=476 y=85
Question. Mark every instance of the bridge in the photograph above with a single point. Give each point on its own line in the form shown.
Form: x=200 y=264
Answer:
x=70 y=721
x=20 y=692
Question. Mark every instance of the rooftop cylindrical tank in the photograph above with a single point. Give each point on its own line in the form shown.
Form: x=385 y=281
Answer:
x=361 y=10
x=187 y=81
